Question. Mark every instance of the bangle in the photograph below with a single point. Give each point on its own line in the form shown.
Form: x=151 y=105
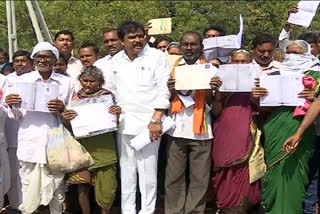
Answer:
x=158 y=122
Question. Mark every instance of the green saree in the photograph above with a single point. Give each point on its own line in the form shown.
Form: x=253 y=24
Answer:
x=285 y=181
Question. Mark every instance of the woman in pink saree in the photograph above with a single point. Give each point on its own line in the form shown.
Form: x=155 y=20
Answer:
x=232 y=147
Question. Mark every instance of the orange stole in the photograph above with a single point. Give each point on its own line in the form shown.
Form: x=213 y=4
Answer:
x=199 y=121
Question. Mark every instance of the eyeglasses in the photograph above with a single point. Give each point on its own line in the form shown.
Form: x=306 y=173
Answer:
x=43 y=57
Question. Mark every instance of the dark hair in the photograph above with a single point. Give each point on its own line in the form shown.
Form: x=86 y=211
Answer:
x=162 y=38
x=22 y=53
x=129 y=27
x=110 y=30
x=218 y=28
x=309 y=37
x=64 y=32
x=192 y=33
x=7 y=66
x=61 y=55
x=90 y=45
x=263 y=38
x=5 y=52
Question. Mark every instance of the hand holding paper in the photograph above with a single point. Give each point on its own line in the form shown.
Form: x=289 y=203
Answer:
x=160 y=26
x=143 y=139
x=193 y=77
x=307 y=10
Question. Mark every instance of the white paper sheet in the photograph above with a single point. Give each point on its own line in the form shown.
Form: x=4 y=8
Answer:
x=283 y=90
x=186 y=100
x=93 y=116
x=307 y=10
x=143 y=139
x=192 y=77
x=238 y=77
x=222 y=46
x=35 y=96
x=160 y=26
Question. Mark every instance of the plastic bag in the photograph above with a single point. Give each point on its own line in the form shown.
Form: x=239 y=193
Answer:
x=64 y=153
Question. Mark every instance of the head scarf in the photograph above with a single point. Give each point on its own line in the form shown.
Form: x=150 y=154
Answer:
x=45 y=46
x=298 y=63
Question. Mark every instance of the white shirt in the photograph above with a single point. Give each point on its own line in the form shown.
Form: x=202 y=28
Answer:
x=34 y=126
x=141 y=87
x=74 y=69
x=104 y=64
x=184 y=120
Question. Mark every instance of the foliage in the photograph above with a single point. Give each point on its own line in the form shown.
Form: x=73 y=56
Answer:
x=89 y=19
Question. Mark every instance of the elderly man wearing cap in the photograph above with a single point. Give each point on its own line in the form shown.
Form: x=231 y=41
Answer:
x=39 y=186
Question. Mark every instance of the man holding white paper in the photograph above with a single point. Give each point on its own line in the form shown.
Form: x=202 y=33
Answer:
x=39 y=186
x=190 y=140
x=140 y=75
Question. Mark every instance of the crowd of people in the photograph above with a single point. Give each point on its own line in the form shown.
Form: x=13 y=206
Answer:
x=204 y=157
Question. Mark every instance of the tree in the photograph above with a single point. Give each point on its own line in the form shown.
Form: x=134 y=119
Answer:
x=89 y=19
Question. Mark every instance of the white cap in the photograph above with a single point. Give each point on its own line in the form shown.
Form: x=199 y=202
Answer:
x=45 y=46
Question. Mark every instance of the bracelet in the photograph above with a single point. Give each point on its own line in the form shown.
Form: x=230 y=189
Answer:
x=158 y=122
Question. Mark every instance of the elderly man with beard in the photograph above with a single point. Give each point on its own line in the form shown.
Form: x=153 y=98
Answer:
x=39 y=185
x=190 y=141
x=140 y=76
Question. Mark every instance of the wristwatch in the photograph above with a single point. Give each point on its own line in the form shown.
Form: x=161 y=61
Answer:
x=158 y=122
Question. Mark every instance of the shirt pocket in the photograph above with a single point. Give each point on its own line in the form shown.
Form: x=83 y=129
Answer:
x=145 y=76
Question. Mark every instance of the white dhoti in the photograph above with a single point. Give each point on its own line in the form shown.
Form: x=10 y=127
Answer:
x=4 y=169
x=15 y=193
x=143 y=162
x=39 y=187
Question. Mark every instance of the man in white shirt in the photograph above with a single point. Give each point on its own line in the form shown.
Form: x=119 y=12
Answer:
x=113 y=45
x=22 y=64
x=39 y=186
x=64 y=41
x=88 y=53
x=190 y=141
x=140 y=76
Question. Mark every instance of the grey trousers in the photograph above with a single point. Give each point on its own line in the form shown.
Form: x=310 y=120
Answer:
x=182 y=197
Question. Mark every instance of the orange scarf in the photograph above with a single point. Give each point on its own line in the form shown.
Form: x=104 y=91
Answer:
x=199 y=122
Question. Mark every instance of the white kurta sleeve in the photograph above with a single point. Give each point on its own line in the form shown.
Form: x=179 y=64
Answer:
x=162 y=75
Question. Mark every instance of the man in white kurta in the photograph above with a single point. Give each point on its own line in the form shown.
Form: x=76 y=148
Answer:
x=39 y=186
x=140 y=75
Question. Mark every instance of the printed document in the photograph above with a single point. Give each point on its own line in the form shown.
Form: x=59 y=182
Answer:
x=193 y=77
x=307 y=10
x=93 y=116
x=143 y=139
x=238 y=77
x=283 y=90
x=160 y=26
x=35 y=96
x=222 y=46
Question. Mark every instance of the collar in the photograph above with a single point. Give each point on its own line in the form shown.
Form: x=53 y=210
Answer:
x=273 y=64
x=72 y=59
x=145 y=51
x=183 y=62
x=36 y=76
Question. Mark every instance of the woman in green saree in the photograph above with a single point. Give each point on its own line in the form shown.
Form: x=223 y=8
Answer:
x=285 y=181
x=102 y=148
